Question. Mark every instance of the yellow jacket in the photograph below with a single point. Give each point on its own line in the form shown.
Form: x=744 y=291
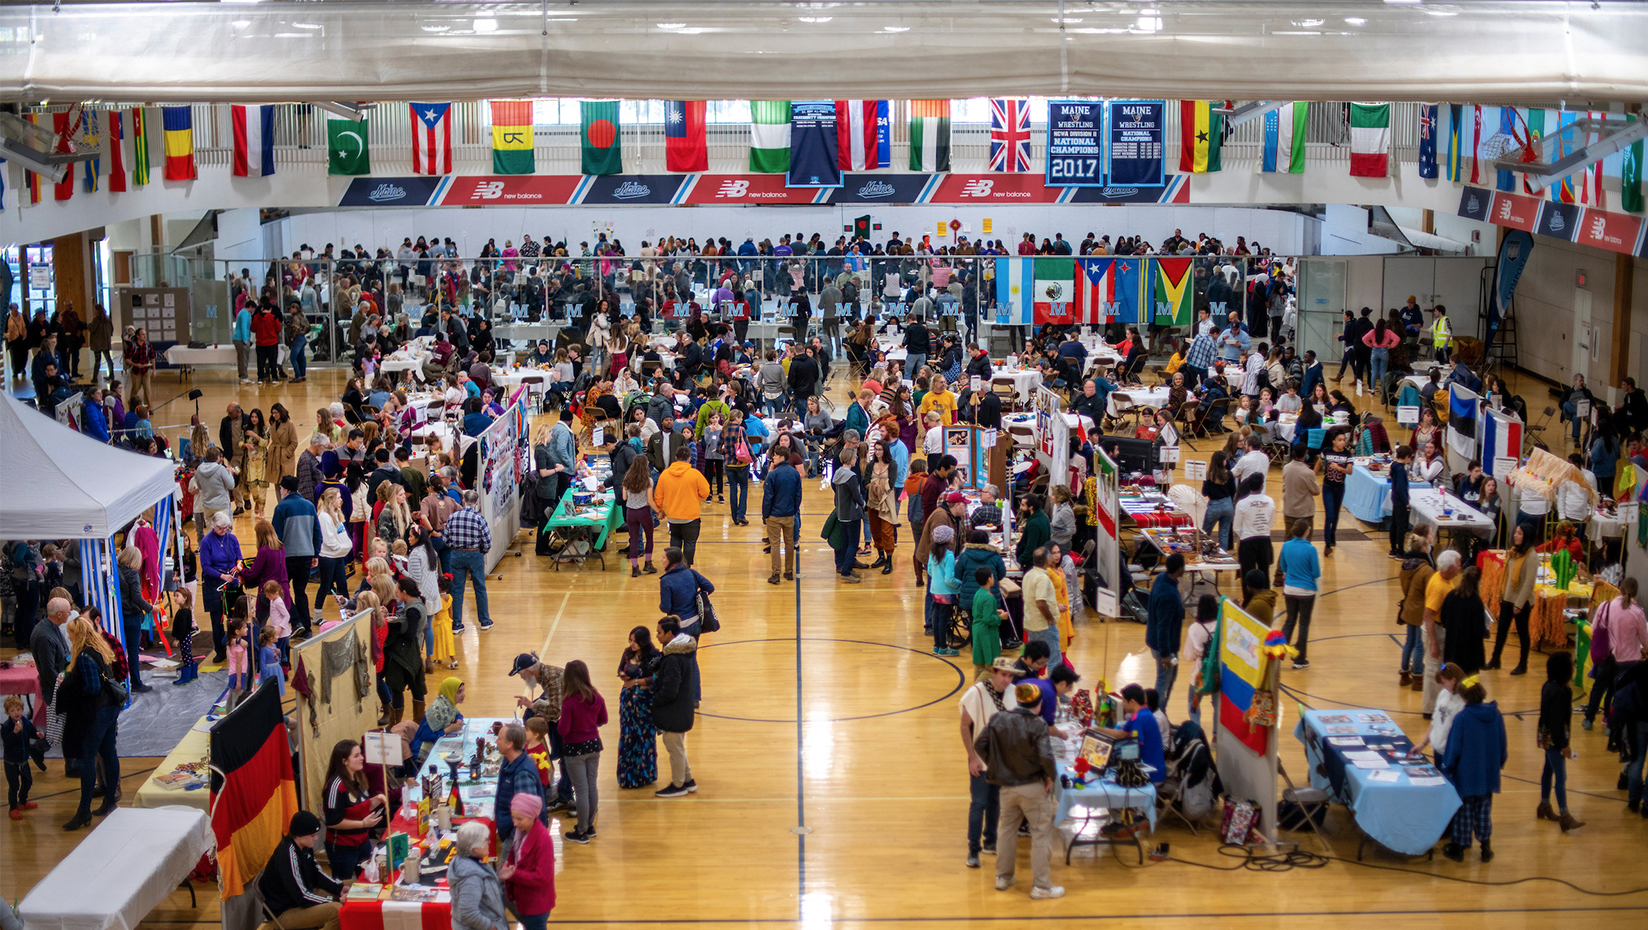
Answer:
x=1441 y=334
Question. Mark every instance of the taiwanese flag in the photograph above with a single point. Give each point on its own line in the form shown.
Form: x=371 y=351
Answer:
x=180 y=143
x=686 y=147
x=254 y=798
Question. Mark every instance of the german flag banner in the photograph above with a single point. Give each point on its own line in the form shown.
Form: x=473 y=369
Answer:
x=255 y=797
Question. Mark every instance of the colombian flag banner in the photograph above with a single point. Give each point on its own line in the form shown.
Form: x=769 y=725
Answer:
x=254 y=798
x=1243 y=670
x=1201 y=137
x=180 y=143
x=1171 y=292
x=512 y=137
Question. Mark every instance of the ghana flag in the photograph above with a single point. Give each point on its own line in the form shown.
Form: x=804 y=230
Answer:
x=255 y=797
x=1201 y=137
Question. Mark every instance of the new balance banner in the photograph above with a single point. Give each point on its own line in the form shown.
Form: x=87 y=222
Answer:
x=1515 y=210
x=632 y=188
x=601 y=145
x=1427 y=140
x=863 y=131
x=1172 y=293
x=1615 y=232
x=748 y=188
x=254 y=794
x=814 y=159
x=1513 y=257
x=511 y=189
x=254 y=132
x=686 y=144
x=1075 y=143
x=1285 y=138
x=1135 y=152
x=1558 y=220
x=431 y=138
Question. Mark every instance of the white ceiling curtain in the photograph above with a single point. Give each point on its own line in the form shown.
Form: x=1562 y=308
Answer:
x=1495 y=51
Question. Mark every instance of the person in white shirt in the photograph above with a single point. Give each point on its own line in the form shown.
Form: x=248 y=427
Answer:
x=1290 y=402
x=933 y=444
x=1448 y=705
x=983 y=700
x=1195 y=648
x=1576 y=502
x=1255 y=513
x=1255 y=364
x=1253 y=462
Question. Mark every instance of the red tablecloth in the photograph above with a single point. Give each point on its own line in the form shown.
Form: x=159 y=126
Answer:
x=395 y=915
x=25 y=680
x=1159 y=519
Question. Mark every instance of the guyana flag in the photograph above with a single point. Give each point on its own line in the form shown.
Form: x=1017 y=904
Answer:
x=1201 y=136
x=1171 y=291
x=512 y=137
x=254 y=799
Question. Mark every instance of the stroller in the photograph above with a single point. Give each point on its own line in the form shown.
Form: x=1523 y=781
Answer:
x=1193 y=783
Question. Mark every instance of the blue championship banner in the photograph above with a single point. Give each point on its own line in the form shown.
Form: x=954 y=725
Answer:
x=1135 y=153
x=1075 y=144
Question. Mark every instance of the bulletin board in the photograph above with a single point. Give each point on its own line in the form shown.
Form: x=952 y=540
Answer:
x=164 y=311
x=322 y=722
x=505 y=455
x=1246 y=750
x=1052 y=436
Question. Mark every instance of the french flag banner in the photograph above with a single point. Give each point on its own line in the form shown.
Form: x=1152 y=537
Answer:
x=1501 y=443
x=254 y=131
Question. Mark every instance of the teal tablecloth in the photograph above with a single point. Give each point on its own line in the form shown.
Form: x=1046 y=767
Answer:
x=1368 y=496
x=1402 y=815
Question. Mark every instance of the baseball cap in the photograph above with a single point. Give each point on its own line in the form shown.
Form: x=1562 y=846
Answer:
x=523 y=662
x=955 y=497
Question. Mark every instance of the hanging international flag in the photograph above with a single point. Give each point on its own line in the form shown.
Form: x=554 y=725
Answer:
x=253 y=788
x=254 y=132
x=1456 y=143
x=1536 y=132
x=1172 y=292
x=1009 y=134
x=91 y=140
x=3 y=185
x=1506 y=180
x=140 y=147
x=1476 y=143
x=1593 y=195
x=1564 y=191
x=180 y=143
x=862 y=130
x=431 y=138
x=1427 y=140
x=601 y=145
x=66 y=131
x=1201 y=137
x=1369 y=140
x=1501 y=440
x=814 y=160
x=770 y=136
x=686 y=143
x=1285 y=138
x=929 y=135
x=1053 y=289
x=1013 y=280
x=348 y=146
x=115 y=141
x=1630 y=176
x=30 y=179
x=1107 y=290
x=512 y=150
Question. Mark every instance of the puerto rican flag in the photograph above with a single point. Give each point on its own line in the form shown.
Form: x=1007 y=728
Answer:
x=861 y=130
x=254 y=132
x=1010 y=134
x=431 y=138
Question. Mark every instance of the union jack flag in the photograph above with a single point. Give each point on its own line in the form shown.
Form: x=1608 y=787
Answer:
x=1010 y=134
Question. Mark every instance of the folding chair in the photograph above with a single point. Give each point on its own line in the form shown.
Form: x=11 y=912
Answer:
x=1309 y=800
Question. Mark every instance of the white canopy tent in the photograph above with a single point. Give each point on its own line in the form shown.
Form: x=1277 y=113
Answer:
x=56 y=483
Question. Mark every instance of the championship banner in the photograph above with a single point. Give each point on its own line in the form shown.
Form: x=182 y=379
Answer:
x=1136 y=143
x=1075 y=143
x=814 y=145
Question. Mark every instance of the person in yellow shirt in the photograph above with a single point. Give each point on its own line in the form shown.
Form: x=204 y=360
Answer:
x=1436 y=591
x=940 y=399
x=1061 y=591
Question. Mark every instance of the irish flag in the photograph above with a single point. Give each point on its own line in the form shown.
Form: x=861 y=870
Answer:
x=1369 y=140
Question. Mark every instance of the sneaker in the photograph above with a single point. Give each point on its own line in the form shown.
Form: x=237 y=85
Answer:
x=989 y=848
x=590 y=833
x=486 y=625
x=673 y=791
x=649 y=569
x=558 y=805
x=952 y=652
x=691 y=785
x=938 y=651
x=789 y=576
x=1300 y=665
x=1586 y=723
x=576 y=837
x=852 y=579
x=972 y=858
x=457 y=628
x=1041 y=894
x=772 y=579
x=1024 y=828
x=1002 y=884
x=1454 y=851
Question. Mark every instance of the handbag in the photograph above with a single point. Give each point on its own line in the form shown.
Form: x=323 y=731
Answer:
x=741 y=452
x=708 y=622
x=1239 y=820
x=1601 y=642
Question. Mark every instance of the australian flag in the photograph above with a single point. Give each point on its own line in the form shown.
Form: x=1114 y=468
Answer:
x=1427 y=140
x=1010 y=134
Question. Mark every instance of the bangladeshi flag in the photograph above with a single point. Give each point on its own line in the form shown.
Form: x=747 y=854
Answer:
x=255 y=797
x=602 y=149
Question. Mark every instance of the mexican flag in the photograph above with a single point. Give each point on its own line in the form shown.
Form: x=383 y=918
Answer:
x=929 y=135
x=1369 y=140
x=512 y=137
x=770 y=136
x=1054 y=290
x=347 y=148
x=602 y=151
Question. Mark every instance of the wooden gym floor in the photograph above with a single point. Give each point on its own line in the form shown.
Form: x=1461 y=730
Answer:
x=834 y=792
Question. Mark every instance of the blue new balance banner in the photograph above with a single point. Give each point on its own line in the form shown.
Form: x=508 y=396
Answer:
x=814 y=158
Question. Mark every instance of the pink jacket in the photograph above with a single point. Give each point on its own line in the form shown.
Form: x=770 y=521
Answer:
x=532 y=887
x=1392 y=339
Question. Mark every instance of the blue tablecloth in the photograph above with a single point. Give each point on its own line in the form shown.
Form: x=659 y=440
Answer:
x=1368 y=496
x=1103 y=795
x=1402 y=816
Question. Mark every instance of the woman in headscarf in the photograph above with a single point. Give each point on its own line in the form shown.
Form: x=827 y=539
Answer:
x=528 y=869
x=441 y=720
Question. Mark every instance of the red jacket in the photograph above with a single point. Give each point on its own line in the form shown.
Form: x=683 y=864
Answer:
x=267 y=326
x=532 y=887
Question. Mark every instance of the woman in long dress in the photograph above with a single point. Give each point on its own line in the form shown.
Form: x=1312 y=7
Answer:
x=881 y=507
x=255 y=474
x=637 y=738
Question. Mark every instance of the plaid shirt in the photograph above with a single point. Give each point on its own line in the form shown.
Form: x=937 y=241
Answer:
x=1201 y=352
x=467 y=529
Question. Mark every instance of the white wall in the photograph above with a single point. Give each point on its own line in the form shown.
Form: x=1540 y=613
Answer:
x=1546 y=326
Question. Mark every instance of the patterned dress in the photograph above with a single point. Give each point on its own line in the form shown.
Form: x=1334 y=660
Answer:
x=637 y=739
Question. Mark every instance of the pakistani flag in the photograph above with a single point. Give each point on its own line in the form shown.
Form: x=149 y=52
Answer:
x=770 y=136
x=347 y=151
x=929 y=135
x=1285 y=138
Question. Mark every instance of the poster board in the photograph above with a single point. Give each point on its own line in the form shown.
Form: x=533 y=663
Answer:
x=1246 y=751
x=1052 y=436
x=164 y=311
x=1104 y=514
x=322 y=723
x=505 y=455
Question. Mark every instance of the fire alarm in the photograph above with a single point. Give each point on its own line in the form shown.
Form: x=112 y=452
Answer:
x=1579 y=278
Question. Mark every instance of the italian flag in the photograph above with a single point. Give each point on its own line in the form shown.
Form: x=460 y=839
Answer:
x=770 y=136
x=1369 y=140
x=929 y=135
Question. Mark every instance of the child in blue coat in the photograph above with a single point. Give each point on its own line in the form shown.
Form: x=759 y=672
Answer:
x=1475 y=753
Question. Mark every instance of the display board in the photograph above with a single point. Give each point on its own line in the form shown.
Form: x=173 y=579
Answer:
x=1135 y=143
x=340 y=704
x=1052 y=436
x=1104 y=514
x=163 y=311
x=1246 y=749
x=505 y=455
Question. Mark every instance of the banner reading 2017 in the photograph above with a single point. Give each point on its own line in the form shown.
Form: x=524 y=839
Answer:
x=1135 y=156
x=1075 y=144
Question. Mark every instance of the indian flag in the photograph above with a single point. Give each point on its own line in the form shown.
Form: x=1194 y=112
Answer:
x=929 y=135
x=1201 y=137
x=1285 y=138
x=770 y=136
x=512 y=151
x=1369 y=140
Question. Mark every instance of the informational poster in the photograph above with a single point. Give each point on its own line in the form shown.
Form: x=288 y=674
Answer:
x=1075 y=143
x=1135 y=153
x=813 y=145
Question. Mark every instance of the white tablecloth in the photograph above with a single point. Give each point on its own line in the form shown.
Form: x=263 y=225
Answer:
x=527 y=332
x=1603 y=526
x=1155 y=397
x=409 y=357
x=511 y=378
x=1025 y=382
x=1427 y=506
x=211 y=355
x=118 y=874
